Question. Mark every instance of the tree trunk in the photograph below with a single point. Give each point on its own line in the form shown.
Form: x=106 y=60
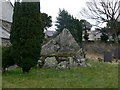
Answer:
x=116 y=42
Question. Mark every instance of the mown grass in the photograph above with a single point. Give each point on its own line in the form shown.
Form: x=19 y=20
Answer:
x=99 y=75
x=0 y=80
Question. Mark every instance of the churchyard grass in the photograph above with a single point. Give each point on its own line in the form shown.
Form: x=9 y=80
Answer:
x=99 y=75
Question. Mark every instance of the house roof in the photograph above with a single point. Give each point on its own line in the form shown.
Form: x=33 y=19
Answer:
x=50 y=33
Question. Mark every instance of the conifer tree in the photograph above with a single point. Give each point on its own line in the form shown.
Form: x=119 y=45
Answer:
x=46 y=21
x=26 y=34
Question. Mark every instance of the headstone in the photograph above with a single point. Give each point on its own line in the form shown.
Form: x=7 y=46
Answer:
x=117 y=53
x=107 y=56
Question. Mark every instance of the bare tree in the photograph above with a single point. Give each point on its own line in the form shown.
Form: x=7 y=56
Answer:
x=104 y=11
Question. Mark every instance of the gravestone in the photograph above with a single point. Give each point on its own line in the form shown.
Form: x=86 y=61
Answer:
x=107 y=56
x=117 y=53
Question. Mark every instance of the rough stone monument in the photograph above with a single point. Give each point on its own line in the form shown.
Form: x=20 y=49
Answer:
x=61 y=45
x=64 y=42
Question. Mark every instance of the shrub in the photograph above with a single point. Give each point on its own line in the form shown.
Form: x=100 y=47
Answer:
x=111 y=41
x=91 y=41
x=26 y=34
x=7 y=59
x=119 y=41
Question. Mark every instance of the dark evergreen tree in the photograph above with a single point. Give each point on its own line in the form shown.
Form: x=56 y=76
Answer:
x=104 y=37
x=63 y=20
x=26 y=34
x=86 y=26
x=86 y=36
x=46 y=20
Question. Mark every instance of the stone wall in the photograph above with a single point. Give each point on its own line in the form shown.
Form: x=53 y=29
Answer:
x=99 y=47
x=97 y=50
x=6 y=10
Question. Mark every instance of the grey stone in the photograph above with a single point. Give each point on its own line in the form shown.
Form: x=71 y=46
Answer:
x=12 y=67
x=62 y=65
x=60 y=59
x=80 y=64
x=64 y=42
x=78 y=61
x=84 y=64
x=71 y=61
x=83 y=60
x=39 y=63
x=50 y=62
x=75 y=64
x=89 y=65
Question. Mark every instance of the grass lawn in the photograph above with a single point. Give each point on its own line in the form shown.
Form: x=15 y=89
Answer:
x=99 y=75
x=0 y=80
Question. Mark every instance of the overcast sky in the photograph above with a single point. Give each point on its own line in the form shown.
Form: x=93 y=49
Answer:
x=51 y=7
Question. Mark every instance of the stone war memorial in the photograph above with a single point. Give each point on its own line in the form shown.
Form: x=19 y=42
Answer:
x=62 y=52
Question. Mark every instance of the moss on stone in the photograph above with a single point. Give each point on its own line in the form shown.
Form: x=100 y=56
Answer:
x=60 y=54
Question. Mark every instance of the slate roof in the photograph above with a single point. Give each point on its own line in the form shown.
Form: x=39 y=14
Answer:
x=50 y=33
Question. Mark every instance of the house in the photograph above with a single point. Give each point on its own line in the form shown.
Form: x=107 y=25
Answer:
x=6 y=8
x=119 y=12
x=94 y=35
x=49 y=33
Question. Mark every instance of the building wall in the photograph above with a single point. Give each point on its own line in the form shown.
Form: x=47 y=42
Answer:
x=91 y=37
x=0 y=10
x=119 y=13
x=7 y=11
x=94 y=35
x=5 y=33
